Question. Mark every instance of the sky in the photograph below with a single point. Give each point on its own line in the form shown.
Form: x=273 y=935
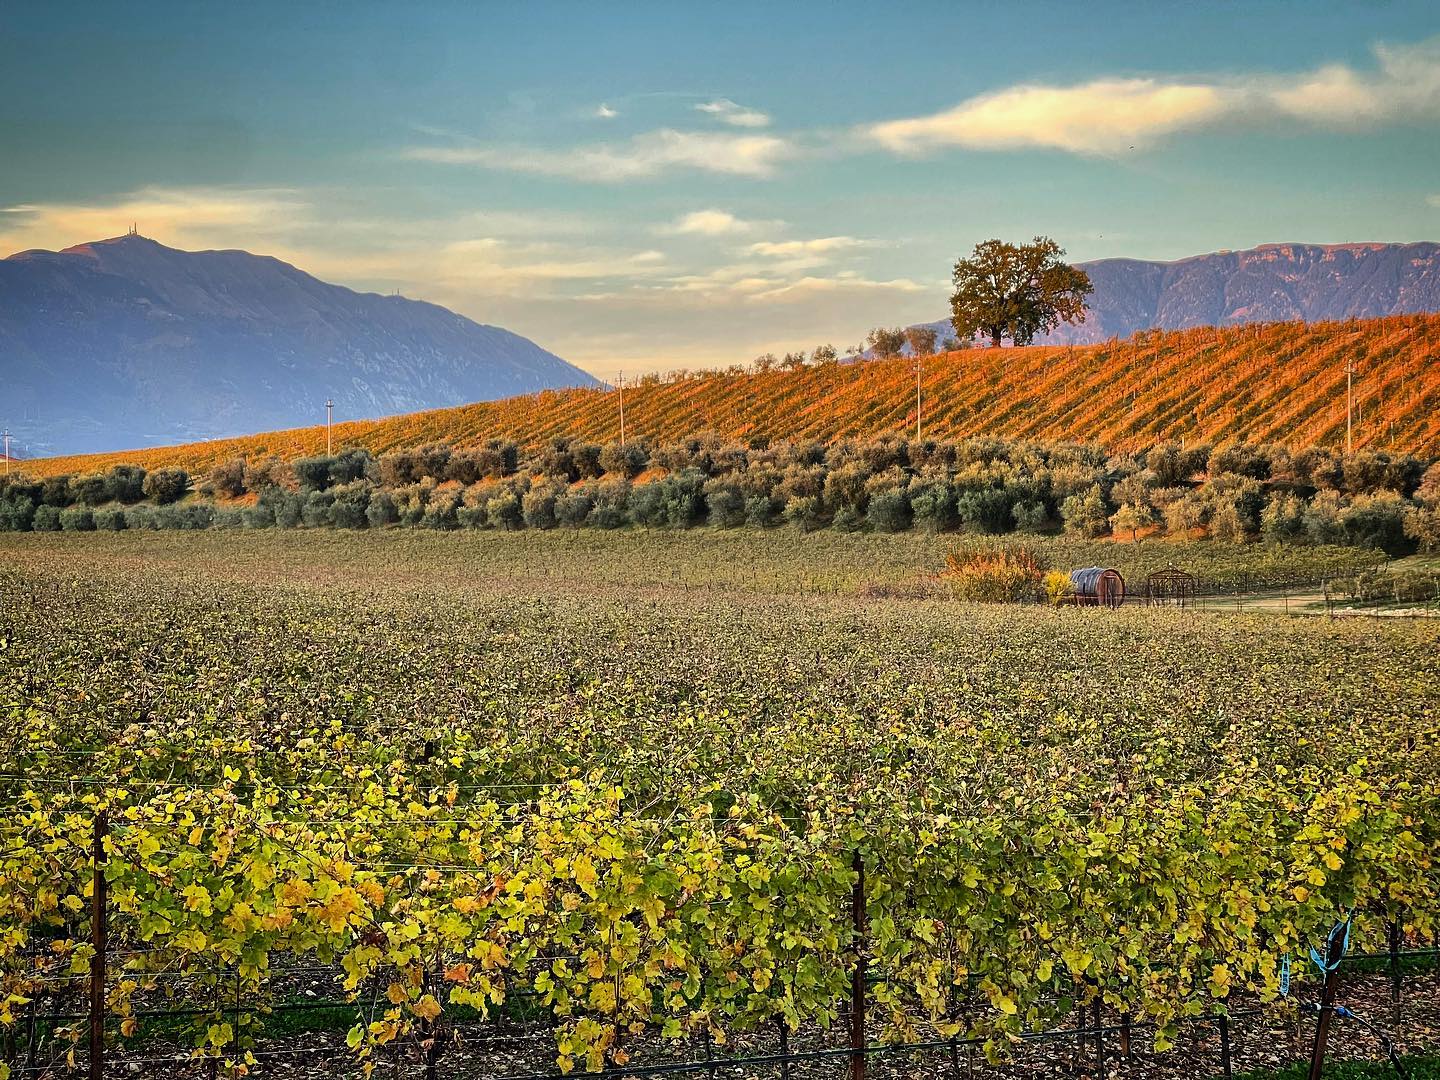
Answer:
x=645 y=187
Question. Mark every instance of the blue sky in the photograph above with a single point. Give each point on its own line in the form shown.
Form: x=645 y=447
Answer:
x=648 y=186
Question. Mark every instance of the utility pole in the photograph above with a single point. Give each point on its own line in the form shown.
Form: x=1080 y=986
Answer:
x=7 y=451
x=329 y=419
x=1349 y=399
x=622 y=408
x=919 y=367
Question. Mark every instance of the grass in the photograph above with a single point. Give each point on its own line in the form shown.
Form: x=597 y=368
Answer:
x=776 y=561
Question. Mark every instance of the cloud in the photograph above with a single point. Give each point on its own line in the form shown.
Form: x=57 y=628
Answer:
x=1433 y=200
x=1111 y=115
x=1097 y=117
x=712 y=223
x=646 y=155
x=605 y=112
x=184 y=217
x=725 y=110
x=824 y=245
x=807 y=287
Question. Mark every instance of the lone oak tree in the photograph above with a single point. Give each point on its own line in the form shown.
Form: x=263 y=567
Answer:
x=1016 y=291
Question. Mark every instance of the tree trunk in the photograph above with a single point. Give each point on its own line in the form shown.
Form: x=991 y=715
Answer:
x=995 y=339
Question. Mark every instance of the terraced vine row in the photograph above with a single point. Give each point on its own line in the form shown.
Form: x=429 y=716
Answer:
x=645 y=816
x=1282 y=383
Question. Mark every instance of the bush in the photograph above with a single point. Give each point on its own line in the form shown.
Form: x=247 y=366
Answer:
x=933 y=507
x=985 y=511
x=258 y=517
x=141 y=517
x=725 y=504
x=47 y=519
x=90 y=490
x=77 y=519
x=890 y=510
x=999 y=575
x=572 y=509
x=382 y=510
x=228 y=478
x=1058 y=587
x=17 y=512
x=504 y=512
x=110 y=520
x=166 y=485
x=1030 y=516
x=807 y=511
x=537 y=508
x=1086 y=513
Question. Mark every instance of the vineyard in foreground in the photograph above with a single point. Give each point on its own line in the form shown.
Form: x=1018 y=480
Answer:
x=646 y=814
x=1282 y=383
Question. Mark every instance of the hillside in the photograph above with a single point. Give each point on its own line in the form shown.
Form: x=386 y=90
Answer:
x=1277 y=383
x=127 y=342
x=1270 y=283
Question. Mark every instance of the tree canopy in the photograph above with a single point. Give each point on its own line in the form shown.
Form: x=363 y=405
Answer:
x=1017 y=291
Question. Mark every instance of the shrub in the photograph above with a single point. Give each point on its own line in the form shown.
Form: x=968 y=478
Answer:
x=77 y=519
x=627 y=461
x=110 y=520
x=725 y=504
x=55 y=491
x=312 y=473
x=890 y=510
x=1030 y=515
x=1422 y=525
x=141 y=517
x=258 y=517
x=807 y=511
x=984 y=511
x=47 y=519
x=760 y=511
x=17 y=512
x=1377 y=522
x=1058 y=587
x=166 y=485
x=504 y=512
x=382 y=510
x=1086 y=514
x=90 y=490
x=538 y=507
x=125 y=484
x=933 y=506
x=315 y=511
x=996 y=575
x=228 y=478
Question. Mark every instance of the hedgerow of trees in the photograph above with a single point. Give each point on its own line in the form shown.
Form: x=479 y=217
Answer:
x=1236 y=492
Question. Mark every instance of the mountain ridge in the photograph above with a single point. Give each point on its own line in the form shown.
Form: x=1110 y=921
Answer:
x=125 y=342
x=1272 y=282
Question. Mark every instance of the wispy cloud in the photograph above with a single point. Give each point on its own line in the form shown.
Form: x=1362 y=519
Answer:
x=649 y=154
x=605 y=112
x=1111 y=115
x=713 y=222
x=735 y=115
x=186 y=217
x=1433 y=200
x=824 y=245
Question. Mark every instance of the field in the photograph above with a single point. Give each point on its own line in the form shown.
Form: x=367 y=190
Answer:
x=1282 y=383
x=635 y=785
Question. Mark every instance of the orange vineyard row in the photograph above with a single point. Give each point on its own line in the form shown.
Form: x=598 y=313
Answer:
x=1283 y=382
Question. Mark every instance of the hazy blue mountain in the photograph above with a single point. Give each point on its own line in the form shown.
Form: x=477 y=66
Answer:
x=1270 y=283
x=126 y=343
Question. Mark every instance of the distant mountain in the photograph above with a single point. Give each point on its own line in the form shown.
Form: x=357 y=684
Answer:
x=1270 y=283
x=129 y=343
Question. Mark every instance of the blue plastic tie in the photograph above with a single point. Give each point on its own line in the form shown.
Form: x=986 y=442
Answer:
x=1323 y=962
x=1285 y=975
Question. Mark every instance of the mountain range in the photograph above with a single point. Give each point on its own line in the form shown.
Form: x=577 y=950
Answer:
x=128 y=343
x=1270 y=283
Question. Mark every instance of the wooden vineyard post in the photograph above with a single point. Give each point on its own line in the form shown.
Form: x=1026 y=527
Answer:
x=1395 y=977
x=857 y=980
x=98 y=935
x=1334 y=950
x=1227 y=1069
x=1099 y=1041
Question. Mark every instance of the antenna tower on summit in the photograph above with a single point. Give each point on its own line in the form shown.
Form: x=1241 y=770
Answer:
x=133 y=230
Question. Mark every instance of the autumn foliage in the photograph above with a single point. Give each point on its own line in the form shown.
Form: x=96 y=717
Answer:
x=1275 y=383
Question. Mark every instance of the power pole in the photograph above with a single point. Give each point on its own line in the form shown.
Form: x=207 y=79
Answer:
x=919 y=367
x=7 y=451
x=622 y=408
x=329 y=419
x=1349 y=399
